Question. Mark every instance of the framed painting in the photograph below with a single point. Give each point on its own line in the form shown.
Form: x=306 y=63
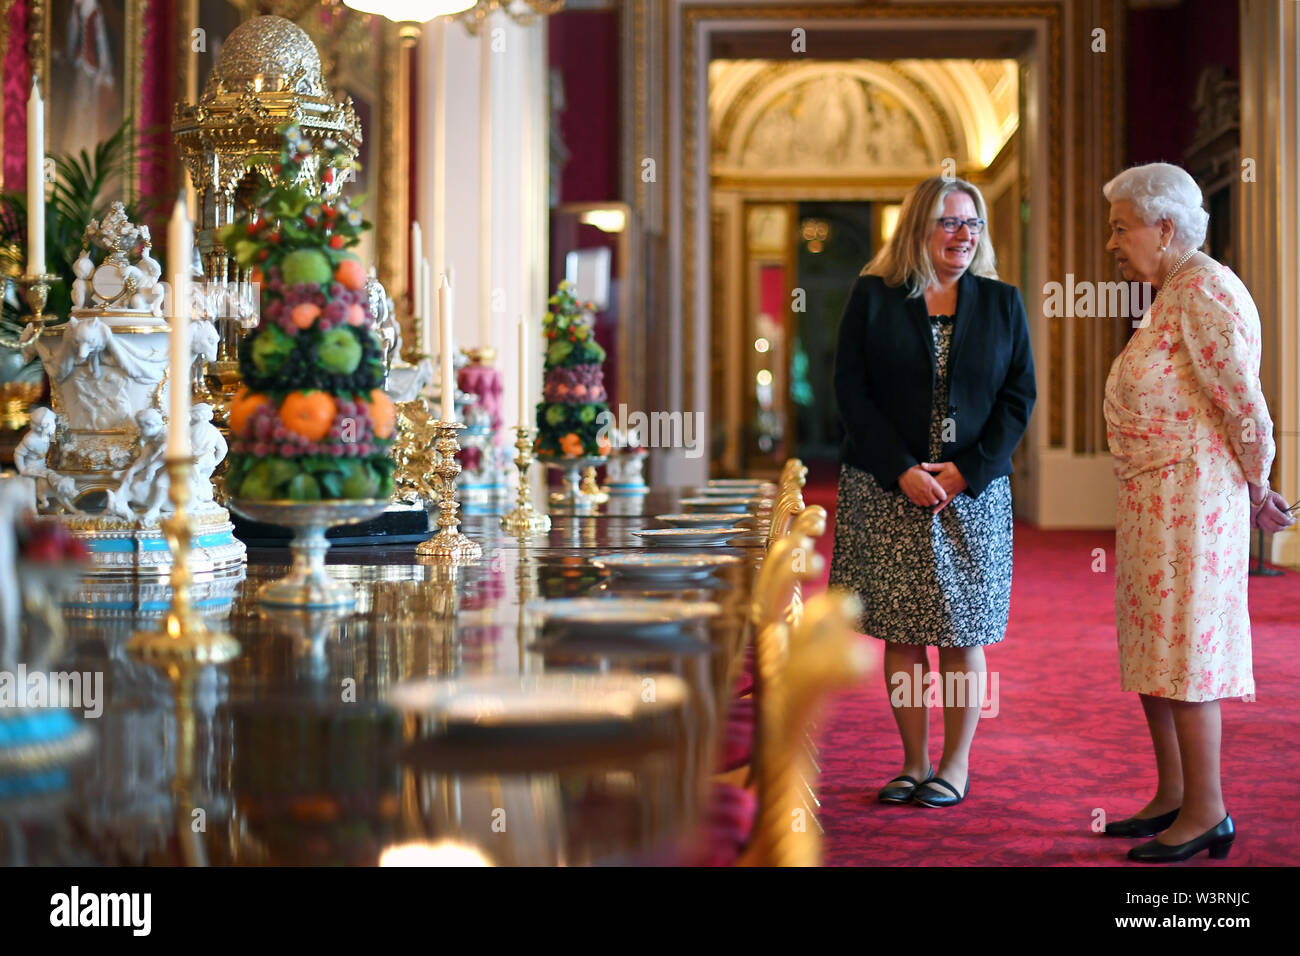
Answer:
x=88 y=55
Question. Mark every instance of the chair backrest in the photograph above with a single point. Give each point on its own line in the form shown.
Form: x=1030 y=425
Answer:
x=789 y=501
x=796 y=669
x=791 y=560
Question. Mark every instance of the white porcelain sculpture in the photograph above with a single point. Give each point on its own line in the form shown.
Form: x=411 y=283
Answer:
x=98 y=455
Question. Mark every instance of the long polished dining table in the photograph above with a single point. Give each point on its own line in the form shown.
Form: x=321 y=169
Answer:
x=296 y=754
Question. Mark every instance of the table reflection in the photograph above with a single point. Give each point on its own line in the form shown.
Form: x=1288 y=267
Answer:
x=299 y=758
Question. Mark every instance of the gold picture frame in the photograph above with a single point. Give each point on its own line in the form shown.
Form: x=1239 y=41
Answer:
x=129 y=16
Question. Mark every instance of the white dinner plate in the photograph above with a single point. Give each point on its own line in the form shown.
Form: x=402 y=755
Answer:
x=704 y=519
x=710 y=503
x=556 y=699
x=685 y=537
x=641 y=617
x=664 y=566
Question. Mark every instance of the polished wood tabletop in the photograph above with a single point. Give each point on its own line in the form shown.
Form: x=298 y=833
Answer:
x=300 y=758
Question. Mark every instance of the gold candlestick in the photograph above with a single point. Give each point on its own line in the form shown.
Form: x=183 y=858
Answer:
x=184 y=641
x=36 y=290
x=181 y=649
x=448 y=546
x=524 y=519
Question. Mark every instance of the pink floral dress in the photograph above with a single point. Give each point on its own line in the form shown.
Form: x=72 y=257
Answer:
x=1188 y=426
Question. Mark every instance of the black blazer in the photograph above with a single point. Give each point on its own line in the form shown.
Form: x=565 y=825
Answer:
x=884 y=379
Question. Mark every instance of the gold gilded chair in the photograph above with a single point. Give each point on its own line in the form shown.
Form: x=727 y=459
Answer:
x=797 y=668
x=789 y=500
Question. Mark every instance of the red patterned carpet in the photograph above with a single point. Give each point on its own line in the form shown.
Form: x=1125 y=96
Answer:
x=1066 y=742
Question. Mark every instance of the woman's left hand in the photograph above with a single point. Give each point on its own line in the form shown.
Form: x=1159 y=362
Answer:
x=946 y=473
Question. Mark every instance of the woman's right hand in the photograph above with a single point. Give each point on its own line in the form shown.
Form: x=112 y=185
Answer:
x=921 y=487
x=1270 y=515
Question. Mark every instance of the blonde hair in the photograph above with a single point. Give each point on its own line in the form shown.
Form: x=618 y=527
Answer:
x=905 y=258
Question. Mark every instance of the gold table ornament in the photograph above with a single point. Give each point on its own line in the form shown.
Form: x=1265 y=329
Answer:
x=448 y=546
x=524 y=519
x=184 y=640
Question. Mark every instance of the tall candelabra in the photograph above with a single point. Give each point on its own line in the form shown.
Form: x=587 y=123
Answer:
x=524 y=519
x=448 y=546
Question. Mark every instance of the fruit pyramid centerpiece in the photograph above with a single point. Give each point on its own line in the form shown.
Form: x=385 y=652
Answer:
x=311 y=421
x=573 y=410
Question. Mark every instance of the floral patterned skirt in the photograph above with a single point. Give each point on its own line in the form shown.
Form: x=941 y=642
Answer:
x=1182 y=554
x=938 y=580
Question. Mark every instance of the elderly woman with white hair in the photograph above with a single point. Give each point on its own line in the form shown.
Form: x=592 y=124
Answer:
x=1193 y=444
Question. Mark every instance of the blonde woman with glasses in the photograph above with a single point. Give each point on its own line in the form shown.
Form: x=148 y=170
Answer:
x=934 y=379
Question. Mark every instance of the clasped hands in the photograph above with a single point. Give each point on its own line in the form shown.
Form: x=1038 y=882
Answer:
x=1268 y=510
x=932 y=484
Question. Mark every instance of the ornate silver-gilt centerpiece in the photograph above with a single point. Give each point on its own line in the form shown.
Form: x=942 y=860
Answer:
x=98 y=454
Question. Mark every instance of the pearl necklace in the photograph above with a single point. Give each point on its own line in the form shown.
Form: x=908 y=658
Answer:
x=1177 y=265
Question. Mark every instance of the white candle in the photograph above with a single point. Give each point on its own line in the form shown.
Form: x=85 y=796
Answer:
x=450 y=272
x=438 y=230
x=445 y=349
x=35 y=182
x=180 y=249
x=485 y=189
x=523 y=372
x=426 y=309
x=417 y=259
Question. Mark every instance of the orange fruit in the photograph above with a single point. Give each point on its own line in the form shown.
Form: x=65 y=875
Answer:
x=242 y=407
x=382 y=413
x=257 y=275
x=304 y=314
x=351 y=275
x=309 y=414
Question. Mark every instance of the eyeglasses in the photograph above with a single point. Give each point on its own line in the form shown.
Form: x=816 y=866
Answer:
x=954 y=223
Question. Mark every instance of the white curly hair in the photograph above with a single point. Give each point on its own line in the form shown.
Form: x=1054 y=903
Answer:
x=1163 y=191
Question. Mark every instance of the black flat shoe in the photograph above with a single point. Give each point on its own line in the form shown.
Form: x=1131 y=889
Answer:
x=935 y=799
x=1218 y=840
x=1141 y=827
x=902 y=793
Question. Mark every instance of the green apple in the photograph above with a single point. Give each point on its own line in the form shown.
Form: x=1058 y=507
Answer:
x=306 y=265
x=339 y=352
x=270 y=349
x=257 y=485
x=360 y=482
x=303 y=487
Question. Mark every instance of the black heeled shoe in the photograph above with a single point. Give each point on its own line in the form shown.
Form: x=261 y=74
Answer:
x=1141 y=827
x=902 y=793
x=1218 y=840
